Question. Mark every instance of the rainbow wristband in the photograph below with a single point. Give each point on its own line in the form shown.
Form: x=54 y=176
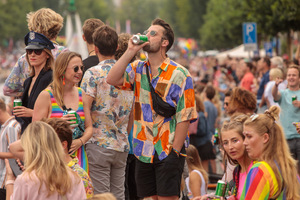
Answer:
x=178 y=153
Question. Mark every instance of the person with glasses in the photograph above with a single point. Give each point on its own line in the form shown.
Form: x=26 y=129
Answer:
x=158 y=141
x=44 y=21
x=62 y=96
x=40 y=60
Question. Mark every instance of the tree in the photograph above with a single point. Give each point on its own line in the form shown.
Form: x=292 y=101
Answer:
x=222 y=27
x=13 y=22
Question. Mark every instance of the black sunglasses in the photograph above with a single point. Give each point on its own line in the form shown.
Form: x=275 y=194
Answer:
x=226 y=103
x=76 y=68
x=152 y=33
x=36 y=51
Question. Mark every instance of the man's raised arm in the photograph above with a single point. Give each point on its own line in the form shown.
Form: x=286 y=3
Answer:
x=116 y=73
x=276 y=94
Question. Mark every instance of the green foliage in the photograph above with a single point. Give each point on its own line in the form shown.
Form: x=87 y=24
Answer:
x=139 y=12
x=222 y=24
x=13 y=18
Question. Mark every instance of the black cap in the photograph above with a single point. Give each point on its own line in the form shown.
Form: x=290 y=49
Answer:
x=34 y=40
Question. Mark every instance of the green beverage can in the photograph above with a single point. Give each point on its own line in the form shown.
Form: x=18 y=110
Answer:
x=17 y=102
x=221 y=187
x=73 y=120
x=139 y=39
x=294 y=98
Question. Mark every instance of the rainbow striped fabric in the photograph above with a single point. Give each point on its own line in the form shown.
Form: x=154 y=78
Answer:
x=261 y=183
x=57 y=112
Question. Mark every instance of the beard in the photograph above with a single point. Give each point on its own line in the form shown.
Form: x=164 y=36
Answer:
x=154 y=48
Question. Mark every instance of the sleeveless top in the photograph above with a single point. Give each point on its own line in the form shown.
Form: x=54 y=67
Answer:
x=57 y=112
x=203 y=185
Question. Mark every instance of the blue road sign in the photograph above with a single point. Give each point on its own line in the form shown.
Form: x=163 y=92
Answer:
x=268 y=48
x=249 y=36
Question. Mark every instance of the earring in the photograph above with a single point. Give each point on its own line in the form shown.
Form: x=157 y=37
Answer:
x=64 y=82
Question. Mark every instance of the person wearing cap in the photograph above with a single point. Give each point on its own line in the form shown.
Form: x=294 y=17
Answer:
x=48 y=23
x=40 y=60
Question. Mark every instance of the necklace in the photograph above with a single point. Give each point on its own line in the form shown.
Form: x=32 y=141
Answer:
x=91 y=52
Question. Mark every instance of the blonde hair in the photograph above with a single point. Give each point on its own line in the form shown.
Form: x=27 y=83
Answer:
x=277 y=151
x=235 y=124
x=44 y=156
x=45 y=21
x=275 y=73
x=194 y=161
x=60 y=66
x=49 y=63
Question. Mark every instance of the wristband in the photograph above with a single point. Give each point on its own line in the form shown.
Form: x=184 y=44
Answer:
x=178 y=153
x=81 y=141
x=9 y=182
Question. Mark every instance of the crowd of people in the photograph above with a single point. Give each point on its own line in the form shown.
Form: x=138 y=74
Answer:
x=113 y=126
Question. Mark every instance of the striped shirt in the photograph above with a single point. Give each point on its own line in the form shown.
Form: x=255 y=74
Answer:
x=152 y=132
x=261 y=183
x=10 y=132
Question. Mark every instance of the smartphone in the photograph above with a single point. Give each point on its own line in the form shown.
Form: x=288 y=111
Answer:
x=15 y=167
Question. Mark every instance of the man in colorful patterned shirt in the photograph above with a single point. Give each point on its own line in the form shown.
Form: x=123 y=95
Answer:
x=47 y=22
x=108 y=148
x=158 y=142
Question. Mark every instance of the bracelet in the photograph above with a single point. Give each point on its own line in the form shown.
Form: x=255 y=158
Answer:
x=9 y=182
x=178 y=153
x=81 y=141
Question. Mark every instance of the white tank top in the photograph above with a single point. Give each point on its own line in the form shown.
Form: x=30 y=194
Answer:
x=203 y=185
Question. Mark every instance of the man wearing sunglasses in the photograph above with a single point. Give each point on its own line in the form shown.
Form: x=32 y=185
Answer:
x=158 y=141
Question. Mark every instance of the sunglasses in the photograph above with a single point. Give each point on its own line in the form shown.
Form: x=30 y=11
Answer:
x=152 y=33
x=36 y=51
x=76 y=68
x=226 y=103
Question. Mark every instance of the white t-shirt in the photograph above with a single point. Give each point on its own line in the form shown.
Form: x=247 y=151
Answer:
x=203 y=185
x=268 y=91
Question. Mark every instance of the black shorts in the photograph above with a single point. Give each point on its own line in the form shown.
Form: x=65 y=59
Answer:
x=162 y=178
x=206 y=151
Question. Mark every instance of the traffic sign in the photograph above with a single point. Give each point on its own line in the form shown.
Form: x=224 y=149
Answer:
x=249 y=36
x=268 y=48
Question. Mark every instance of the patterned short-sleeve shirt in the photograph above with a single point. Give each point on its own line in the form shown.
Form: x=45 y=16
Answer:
x=152 y=132
x=14 y=83
x=87 y=181
x=110 y=109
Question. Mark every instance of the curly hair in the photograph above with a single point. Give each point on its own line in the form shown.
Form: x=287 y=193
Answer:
x=241 y=101
x=45 y=21
x=123 y=39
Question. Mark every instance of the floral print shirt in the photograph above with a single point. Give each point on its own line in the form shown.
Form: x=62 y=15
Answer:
x=110 y=109
x=87 y=182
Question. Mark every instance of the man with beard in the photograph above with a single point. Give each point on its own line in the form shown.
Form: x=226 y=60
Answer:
x=158 y=141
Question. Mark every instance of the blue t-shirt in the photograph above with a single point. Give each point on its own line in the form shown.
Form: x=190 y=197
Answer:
x=263 y=82
x=289 y=113
x=212 y=114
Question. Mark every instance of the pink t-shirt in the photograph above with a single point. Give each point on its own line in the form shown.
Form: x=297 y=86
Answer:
x=242 y=179
x=27 y=188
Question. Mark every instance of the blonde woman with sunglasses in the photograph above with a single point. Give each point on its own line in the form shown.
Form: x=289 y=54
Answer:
x=62 y=96
x=40 y=60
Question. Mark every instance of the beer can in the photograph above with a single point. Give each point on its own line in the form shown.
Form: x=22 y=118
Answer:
x=294 y=98
x=139 y=39
x=17 y=102
x=75 y=120
x=221 y=187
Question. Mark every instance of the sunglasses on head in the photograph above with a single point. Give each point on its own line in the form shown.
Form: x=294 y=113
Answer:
x=36 y=51
x=76 y=68
x=152 y=33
